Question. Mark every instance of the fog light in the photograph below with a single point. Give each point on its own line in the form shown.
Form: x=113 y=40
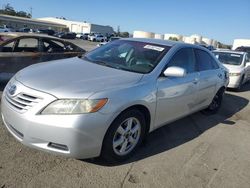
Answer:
x=58 y=146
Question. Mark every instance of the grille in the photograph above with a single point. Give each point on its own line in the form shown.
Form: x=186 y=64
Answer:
x=22 y=102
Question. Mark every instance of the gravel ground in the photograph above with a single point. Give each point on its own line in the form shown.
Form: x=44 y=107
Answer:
x=196 y=151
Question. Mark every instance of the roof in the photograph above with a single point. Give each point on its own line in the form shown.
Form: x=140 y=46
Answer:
x=230 y=51
x=164 y=42
x=19 y=34
x=155 y=41
x=30 y=20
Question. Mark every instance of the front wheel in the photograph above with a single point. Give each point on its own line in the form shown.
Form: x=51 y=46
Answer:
x=216 y=103
x=124 y=136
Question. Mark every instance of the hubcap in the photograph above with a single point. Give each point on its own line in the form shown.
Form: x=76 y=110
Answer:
x=215 y=103
x=126 y=136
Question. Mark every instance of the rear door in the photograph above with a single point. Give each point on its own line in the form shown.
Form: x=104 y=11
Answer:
x=26 y=52
x=7 y=68
x=55 y=49
x=176 y=96
x=210 y=75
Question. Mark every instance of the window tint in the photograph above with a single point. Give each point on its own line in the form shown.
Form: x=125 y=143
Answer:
x=214 y=63
x=205 y=61
x=184 y=58
x=8 y=47
x=27 y=45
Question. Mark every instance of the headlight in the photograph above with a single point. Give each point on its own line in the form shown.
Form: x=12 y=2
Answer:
x=74 y=106
x=234 y=74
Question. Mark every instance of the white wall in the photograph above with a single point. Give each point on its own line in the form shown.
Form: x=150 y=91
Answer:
x=81 y=27
x=143 y=34
x=240 y=42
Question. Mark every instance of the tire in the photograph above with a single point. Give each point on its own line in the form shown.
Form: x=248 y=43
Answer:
x=117 y=145
x=102 y=40
x=240 y=84
x=215 y=105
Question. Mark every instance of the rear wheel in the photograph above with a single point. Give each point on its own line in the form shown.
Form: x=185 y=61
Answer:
x=216 y=103
x=124 y=136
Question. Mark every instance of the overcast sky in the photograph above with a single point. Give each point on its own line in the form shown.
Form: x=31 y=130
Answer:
x=223 y=20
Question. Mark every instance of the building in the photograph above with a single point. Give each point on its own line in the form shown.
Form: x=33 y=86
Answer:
x=20 y=22
x=80 y=27
x=241 y=42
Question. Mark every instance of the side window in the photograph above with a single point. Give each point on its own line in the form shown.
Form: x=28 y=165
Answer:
x=52 y=46
x=214 y=63
x=185 y=59
x=205 y=61
x=247 y=57
x=8 y=47
x=27 y=45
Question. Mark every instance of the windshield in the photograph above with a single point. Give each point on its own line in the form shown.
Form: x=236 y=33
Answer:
x=229 y=58
x=131 y=56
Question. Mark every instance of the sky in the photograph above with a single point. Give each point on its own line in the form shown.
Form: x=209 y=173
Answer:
x=222 y=20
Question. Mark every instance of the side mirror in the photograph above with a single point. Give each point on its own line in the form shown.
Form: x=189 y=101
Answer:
x=175 y=72
x=247 y=64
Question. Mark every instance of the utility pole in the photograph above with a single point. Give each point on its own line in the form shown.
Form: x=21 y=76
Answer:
x=31 y=9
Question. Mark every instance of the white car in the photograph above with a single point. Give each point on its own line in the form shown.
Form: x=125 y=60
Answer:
x=238 y=64
x=110 y=40
x=83 y=36
x=97 y=38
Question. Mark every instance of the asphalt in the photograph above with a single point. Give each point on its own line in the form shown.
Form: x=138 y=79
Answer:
x=196 y=151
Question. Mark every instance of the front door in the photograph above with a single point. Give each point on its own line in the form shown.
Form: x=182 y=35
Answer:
x=176 y=96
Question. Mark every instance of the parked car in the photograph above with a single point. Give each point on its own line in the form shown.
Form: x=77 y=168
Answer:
x=97 y=38
x=110 y=40
x=19 y=50
x=106 y=102
x=243 y=49
x=46 y=31
x=83 y=36
x=68 y=35
x=238 y=64
x=25 y=30
x=5 y=29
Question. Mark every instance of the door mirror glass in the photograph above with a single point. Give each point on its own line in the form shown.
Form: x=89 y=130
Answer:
x=174 y=72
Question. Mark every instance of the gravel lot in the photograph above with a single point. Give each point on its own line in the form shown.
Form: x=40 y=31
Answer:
x=197 y=151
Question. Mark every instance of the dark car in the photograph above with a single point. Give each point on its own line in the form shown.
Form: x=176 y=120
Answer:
x=24 y=30
x=46 y=31
x=69 y=35
x=243 y=49
x=19 y=50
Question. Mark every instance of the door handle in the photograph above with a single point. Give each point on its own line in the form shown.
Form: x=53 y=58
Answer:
x=220 y=75
x=195 y=81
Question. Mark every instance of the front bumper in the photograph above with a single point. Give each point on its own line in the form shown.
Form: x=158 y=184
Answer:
x=78 y=136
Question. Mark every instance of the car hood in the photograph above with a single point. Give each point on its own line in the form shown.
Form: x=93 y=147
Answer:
x=74 y=78
x=233 y=68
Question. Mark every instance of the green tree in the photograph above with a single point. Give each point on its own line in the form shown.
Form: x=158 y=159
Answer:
x=124 y=34
x=173 y=38
x=9 y=10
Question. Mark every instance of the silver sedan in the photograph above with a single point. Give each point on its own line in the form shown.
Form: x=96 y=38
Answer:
x=105 y=103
